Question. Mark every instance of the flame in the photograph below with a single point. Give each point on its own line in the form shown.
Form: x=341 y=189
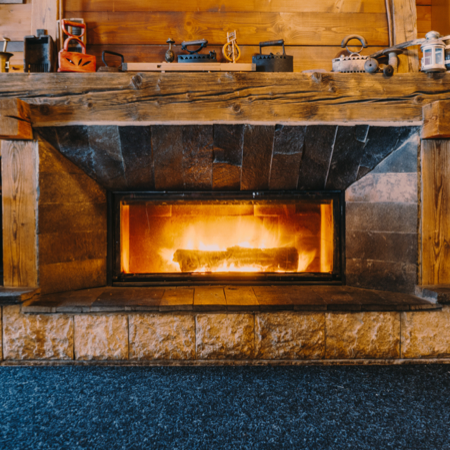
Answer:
x=150 y=238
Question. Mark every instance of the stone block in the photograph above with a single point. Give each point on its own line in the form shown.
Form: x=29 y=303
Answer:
x=162 y=336
x=102 y=337
x=225 y=336
x=34 y=337
x=373 y=335
x=426 y=334
x=289 y=335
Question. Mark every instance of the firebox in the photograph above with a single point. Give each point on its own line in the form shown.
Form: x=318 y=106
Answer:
x=232 y=237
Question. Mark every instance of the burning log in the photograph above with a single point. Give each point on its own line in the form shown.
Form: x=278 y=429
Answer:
x=270 y=260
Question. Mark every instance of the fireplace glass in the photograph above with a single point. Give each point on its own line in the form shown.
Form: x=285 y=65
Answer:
x=163 y=237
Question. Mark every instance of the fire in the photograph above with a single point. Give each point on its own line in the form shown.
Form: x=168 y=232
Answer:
x=229 y=238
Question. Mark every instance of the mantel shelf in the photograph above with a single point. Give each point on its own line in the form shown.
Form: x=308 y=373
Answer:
x=204 y=98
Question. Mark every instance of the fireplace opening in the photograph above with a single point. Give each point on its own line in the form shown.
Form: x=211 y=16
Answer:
x=232 y=237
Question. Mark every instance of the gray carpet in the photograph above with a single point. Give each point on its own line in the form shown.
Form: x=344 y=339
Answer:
x=405 y=407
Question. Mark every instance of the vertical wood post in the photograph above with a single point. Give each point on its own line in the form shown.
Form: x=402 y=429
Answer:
x=44 y=14
x=20 y=199
x=435 y=158
x=405 y=29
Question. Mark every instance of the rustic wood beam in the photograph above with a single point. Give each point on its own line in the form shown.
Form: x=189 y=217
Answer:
x=253 y=98
x=436 y=120
x=20 y=199
x=15 y=122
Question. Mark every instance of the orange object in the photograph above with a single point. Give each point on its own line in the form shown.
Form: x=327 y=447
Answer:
x=74 y=61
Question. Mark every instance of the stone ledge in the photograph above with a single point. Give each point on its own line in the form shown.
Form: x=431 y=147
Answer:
x=229 y=299
x=17 y=296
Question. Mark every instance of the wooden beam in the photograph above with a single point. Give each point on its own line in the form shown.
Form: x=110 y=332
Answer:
x=44 y=15
x=440 y=16
x=255 y=98
x=435 y=215
x=15 y=121
x=436 y=120
x=405 y=29
x=20 y=197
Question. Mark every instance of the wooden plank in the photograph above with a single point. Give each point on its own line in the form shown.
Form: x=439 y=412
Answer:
x=436 y=120
x=44 y=15
x=15 y=119
x=350 y=6
x=305 y=58
x=295 y=28
x=424 y=2
x=241 y=298
x=15 y=21
x=405 y=29
x=187 y=67
x=440 y=16
x=423 y=20
x=435 y=212
x=181 y=299
x=20 y=197
x=255 y=98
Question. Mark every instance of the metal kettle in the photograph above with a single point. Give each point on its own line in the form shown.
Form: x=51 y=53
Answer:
x=5 y=57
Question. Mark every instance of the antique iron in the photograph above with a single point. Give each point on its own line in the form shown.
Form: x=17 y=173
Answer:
x=74 y=61
x=5 y=56
x=271 y=62
x=39 y=53
x=353 y=62
x=107 y=68
x=194 y=56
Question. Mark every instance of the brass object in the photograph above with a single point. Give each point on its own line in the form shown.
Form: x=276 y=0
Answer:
x=5 y=57
x=170 y=55
x=231 y=50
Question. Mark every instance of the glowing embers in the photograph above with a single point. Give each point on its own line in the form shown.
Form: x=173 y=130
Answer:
x=292 y=236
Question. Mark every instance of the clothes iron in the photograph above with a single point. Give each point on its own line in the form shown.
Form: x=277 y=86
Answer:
x=73 y=61
x=194 y=56
x=5 y=57
x=107 y=68
x=271 y=62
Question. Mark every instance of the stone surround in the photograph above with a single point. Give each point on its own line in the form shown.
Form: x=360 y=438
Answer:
x=196 y=337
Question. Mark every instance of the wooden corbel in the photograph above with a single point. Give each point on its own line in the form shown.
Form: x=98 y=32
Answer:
x=15 y=120
x=436 y=120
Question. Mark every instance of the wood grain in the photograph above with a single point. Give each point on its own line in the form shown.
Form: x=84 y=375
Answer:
x=440 y=16
x=20 y=197
x=423 y=20
x=435 y=212
x=436 y=120
x=405 y=29
x=15 y=21
x=44 y=15
x=15 y=119
x=296 y=28
x=352 y=6
x=295 y=99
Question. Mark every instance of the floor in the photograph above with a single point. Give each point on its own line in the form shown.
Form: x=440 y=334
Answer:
x=373 y=407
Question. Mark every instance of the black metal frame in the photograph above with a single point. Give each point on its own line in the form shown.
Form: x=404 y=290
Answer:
x=115 y=277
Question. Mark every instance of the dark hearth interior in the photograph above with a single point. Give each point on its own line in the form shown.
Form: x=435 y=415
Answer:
x=376 y=167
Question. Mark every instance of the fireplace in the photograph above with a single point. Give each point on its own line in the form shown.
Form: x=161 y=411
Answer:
x=211 y=237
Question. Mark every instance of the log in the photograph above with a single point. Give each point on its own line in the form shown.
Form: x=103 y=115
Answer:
x=270 y=260
x=278 y=98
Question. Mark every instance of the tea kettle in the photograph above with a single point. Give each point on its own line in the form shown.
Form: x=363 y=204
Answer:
x=4 y=57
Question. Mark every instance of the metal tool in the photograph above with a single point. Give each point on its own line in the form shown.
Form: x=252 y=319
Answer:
x=107 y=68
x=39 y=53
x=354 y=62
x=194 y=56
x=271 y=62
x=5 y=56
x=170 y=55
x=74 y=61
x=231 y=50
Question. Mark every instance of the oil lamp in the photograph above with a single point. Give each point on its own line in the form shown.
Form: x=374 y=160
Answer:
x=433 y=53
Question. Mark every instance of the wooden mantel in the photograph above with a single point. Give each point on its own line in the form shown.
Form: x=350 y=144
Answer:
x=173 y=98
